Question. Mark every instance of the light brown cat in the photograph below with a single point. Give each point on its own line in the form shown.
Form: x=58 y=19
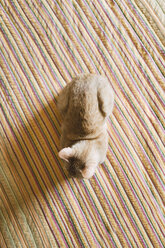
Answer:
x=85 y=103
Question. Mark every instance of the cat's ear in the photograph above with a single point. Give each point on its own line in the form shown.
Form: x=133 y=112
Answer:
x=66 y=153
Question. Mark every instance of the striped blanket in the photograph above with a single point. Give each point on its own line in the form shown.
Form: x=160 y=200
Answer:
x=43 y=45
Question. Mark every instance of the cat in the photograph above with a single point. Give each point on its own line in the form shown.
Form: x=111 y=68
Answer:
x=84 y=103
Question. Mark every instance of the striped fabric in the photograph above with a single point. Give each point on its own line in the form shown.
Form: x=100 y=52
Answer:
x=43 y=44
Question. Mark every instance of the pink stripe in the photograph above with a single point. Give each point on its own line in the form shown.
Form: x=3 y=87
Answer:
x=143 y=125
x=16 y=31
x=136 y=138
x=50 y=180
x=30 y=142
x=64 y=43
x=138 y=91
x=141 y=136
x=46 y=157
x=126 y=56
x=31 y=114
x=112 y=212
x=87 y=207
x=132 y=190
x=39 y=35
x=132 y=173
x=98 y=215
x=26 y=78
x=106 y=61
x=132 y=220
x=135 y=61
x=43 y=151
x=142 y=179
x=117 y=207
x=137 y=24
x=9 y=141
x=43 y=30
x=120 y=87
x=44 y=167
x=73 y=31
x=151 y=165
x=148 y=31
x=26 y=62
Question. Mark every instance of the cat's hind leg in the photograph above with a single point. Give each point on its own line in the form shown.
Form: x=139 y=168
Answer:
x=105 y=97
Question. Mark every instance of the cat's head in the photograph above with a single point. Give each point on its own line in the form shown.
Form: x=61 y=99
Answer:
x=76 y=165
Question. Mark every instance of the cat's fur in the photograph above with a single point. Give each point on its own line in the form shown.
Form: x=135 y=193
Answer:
x=85 y=103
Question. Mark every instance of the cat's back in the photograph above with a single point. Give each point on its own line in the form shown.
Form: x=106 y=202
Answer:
x=83 y=116
x=83 y=92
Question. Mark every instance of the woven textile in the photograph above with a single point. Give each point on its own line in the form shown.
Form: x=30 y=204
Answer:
x=43 y=45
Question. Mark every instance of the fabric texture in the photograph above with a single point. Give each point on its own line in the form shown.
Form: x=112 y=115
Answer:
x=43 y=45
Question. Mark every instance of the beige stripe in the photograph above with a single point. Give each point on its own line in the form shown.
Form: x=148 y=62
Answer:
x=157 y=11
x=140 y=153
x=121 y=183
x=123 y=219
x=94 y=195
x=138 y=156
x=142 y=196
